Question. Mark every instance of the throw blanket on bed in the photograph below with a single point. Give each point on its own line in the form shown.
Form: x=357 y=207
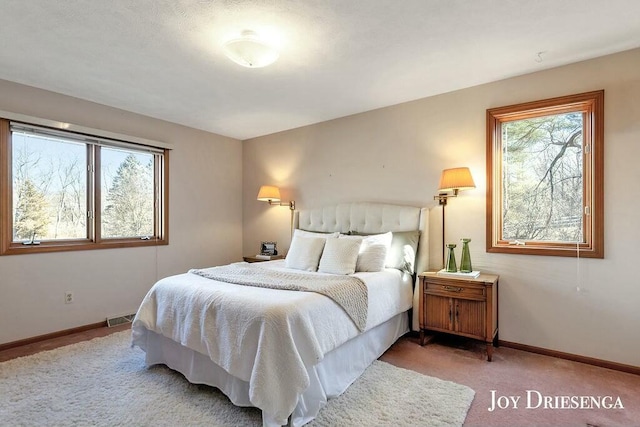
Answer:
x=348 y=292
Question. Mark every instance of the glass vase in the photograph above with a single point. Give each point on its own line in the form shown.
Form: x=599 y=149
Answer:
x=465 y=261
x=450 y=266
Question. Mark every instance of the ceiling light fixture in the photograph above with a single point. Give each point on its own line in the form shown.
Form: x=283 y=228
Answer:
x=249 y=51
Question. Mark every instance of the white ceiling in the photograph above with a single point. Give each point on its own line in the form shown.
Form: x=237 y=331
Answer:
x=338 y=57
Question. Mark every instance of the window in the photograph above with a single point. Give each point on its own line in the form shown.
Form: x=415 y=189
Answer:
x=545 y=177
x=65 y=190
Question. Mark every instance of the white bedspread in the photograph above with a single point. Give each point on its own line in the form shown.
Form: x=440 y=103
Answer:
x=349 y=292
x=263 y=336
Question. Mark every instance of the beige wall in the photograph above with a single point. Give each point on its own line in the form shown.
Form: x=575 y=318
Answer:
x=587 y=307
x=205 y=225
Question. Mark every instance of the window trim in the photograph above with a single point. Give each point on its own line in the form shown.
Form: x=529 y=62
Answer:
x=592 y=106
x=92 y=241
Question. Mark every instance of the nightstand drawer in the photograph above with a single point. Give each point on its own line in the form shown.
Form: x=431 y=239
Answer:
x=455 y=290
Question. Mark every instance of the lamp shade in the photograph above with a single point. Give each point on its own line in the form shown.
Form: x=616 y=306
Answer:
x=249 y=51
x=269 y=193
x=456 y=179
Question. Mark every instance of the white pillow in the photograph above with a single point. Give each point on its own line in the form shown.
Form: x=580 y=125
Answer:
x=339 y=256
x=304 y=253
x=373 y=251
x=304 y=233
x=402 y=253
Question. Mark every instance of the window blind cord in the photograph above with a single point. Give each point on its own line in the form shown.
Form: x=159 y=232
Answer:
x=156 y=266
x=578 y=281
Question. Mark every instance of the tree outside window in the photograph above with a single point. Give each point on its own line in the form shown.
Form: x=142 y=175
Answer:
x=129 y=196
x=69 y=191
x=544 y=167
x=49 y=188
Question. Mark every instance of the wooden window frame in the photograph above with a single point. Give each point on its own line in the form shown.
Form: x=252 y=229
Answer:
x=591 y=104
x=93 y=239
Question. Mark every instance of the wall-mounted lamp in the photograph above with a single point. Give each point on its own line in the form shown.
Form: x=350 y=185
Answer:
x=271 y=194
x=455 y=179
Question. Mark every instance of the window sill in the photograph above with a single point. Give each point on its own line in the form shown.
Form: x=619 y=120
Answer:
x=20 y=249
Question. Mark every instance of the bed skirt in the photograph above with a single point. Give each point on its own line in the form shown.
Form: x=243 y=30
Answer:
x=328 y=379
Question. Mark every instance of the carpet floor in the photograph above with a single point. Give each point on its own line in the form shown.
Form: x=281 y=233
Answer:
x=104 y=382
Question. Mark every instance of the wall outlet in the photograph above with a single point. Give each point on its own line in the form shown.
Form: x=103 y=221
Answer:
x=68 y=297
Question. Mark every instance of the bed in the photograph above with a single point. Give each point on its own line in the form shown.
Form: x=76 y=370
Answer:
x=283 y=351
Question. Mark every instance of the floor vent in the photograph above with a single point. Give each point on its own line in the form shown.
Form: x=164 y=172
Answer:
x=119 y=320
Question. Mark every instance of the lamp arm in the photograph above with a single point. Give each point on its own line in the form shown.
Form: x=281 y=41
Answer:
x=442 y=197
x=291 y=204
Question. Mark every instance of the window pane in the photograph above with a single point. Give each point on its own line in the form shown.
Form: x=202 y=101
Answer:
x=127 y=190
x=542 y=176
x=49 y=188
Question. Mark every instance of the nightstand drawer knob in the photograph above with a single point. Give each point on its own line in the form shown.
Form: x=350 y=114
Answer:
x=452 y=288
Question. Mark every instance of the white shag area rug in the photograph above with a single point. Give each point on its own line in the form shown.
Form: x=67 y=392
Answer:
x=104 y=382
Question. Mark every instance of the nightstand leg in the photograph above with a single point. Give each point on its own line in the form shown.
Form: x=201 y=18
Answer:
x=426 y=338
x=489 y=351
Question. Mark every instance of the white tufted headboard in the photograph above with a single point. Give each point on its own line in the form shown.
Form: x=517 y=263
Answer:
x=370 y=218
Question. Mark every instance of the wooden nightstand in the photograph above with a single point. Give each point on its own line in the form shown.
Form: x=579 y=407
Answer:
x=460 y=306
x=254 y=259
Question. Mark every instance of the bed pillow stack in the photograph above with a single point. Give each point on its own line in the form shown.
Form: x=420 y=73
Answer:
x=373 y=251
x=401 y=251
x=306 y=249
x=348 y=254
